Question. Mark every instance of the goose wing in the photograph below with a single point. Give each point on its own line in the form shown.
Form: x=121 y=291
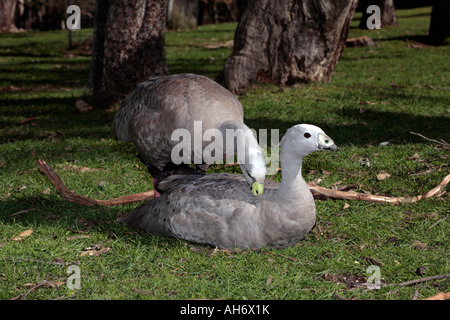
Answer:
x=218 y=209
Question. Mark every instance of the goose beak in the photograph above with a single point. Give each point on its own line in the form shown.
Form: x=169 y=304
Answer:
x=257 y=188
x=326 y=143
x=332 y=148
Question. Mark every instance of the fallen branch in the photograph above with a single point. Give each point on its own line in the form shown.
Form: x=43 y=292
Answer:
x=363 y=41
x=21 y=211
x=49 y=284
x=70 y=196
x=349 y=195
x=408 y=283
x=444 y=144
x=439 y=88
x=316 y=190
x=24 y=295
x=439 y=221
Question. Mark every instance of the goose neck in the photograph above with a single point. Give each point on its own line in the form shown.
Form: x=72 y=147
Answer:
x=291 y=179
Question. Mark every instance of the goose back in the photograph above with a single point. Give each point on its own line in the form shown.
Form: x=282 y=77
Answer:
x=157 y=107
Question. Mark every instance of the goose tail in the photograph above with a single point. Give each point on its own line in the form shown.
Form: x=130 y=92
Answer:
x=147 y=217
x=135 y=219
x=120 y=126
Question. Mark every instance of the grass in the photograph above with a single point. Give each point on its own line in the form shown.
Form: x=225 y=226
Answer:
x=377 y=94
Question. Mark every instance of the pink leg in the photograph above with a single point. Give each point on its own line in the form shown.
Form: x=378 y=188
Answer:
x=156 y=192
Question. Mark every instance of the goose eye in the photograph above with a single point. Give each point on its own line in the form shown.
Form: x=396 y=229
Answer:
x=307 y=135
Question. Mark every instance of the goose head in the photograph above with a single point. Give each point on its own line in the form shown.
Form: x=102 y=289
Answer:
x=254 y=170
x=303 y=139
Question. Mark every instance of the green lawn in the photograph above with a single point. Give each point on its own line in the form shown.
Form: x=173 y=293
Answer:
x=377 y=94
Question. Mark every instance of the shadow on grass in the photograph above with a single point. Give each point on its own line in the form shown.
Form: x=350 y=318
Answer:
x=424 y=39
x=75 y=220
x=39 y=211
x=365 y=125
x=369 y=127
x=418 y=38
x=45 y=116
x=61 y=72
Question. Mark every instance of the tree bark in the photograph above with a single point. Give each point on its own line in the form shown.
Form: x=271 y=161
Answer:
x=182 y=14
x=128 y=47
x=439 y=25
x=7 y=15
x=387 y=8
x=285 y=42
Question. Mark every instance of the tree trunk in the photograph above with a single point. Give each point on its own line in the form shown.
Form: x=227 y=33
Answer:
x=285 y=42
x=439 y=25
x=8 y=15
x=128 y=47
x=387 y=8
x=388 y=16
x=182 y=14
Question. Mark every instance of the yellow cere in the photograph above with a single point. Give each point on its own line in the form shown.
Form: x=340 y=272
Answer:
x=257 y=188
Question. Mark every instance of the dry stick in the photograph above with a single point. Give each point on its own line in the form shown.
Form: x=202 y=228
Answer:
x=375 y=198
x=33 y=288
x=407 y=283
x=73 y=197
x=443 y=143
x=70 y=196
x=21 y=211
x=439 y=221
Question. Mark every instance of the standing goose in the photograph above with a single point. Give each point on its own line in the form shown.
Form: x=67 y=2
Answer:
x=156 y=108
x=218 y=209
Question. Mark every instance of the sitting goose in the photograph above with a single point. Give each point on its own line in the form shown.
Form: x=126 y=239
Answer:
x=157 y=107
x=219 y=210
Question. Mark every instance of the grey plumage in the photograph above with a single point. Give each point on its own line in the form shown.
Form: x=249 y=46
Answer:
x=157 y=107
x=218 y=209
